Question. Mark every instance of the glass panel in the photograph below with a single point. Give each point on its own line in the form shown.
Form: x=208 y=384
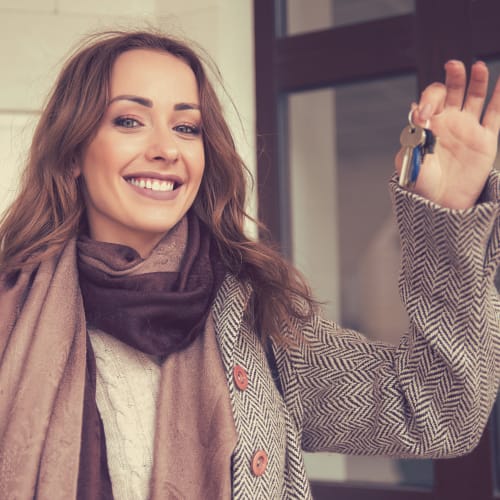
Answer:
x=341 y=144
x=298 y=16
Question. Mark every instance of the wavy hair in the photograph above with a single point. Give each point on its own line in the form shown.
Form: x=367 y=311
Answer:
x=49 y=208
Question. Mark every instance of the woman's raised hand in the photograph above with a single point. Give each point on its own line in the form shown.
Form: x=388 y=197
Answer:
x=455 y=174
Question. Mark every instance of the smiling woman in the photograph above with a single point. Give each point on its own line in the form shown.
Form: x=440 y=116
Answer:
x=150 y=349
x=133 y=174
x=143 y=168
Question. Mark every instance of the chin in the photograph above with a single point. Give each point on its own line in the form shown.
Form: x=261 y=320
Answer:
x=158 y=229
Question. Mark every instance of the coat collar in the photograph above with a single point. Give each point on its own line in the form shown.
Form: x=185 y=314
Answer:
x=228 y=309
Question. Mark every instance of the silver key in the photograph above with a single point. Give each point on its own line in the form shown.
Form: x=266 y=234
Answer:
x=410 y=138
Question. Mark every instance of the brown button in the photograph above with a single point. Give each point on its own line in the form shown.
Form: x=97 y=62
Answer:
x=240 y=377
x=259 y=463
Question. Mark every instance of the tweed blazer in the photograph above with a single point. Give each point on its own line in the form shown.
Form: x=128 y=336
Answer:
x=335 y=390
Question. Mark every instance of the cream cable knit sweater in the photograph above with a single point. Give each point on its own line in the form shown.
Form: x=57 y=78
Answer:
x=126 y=392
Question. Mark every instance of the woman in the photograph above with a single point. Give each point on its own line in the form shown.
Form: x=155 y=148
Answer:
x=149 y=349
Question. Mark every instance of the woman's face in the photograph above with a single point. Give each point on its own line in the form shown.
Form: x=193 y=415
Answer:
x=143 y=168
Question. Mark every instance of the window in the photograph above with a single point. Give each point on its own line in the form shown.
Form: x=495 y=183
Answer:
x=400 y=50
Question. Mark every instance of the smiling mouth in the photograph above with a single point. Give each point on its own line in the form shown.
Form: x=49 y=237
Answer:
x=153 y=184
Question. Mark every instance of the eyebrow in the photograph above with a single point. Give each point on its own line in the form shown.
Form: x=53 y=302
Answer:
x=144 y=101
x=181 y=106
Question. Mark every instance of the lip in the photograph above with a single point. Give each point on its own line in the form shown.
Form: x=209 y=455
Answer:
x=155 y=195
x=155 y=175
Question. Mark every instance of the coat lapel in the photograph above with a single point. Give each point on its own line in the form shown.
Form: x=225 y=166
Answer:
x=228 y=309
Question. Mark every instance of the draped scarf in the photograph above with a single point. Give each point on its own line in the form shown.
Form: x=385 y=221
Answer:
x=52 y=442
x=157 y=312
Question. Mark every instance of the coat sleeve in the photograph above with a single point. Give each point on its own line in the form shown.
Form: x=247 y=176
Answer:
x=430 y=396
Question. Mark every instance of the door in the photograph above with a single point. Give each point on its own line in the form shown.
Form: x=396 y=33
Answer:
x=333 y=85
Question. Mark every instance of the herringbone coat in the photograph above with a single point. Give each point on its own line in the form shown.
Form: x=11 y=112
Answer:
x=337 y=391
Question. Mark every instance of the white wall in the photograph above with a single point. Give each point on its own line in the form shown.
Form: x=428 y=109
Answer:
x=38 y=34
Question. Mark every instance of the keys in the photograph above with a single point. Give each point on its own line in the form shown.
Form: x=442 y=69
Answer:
x=416 y=161
x=430 y=141
x=417 y=142
x=411 y=137
x=419 y=153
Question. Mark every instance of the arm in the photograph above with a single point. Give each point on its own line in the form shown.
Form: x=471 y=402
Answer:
x=432 y=395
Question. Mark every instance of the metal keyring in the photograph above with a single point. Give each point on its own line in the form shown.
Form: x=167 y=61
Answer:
x=410 y=120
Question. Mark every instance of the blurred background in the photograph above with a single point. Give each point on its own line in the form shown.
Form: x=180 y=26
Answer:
x=322 y=90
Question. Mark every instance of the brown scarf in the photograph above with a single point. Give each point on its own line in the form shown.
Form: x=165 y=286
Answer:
x=47 y=370
x=154 y=312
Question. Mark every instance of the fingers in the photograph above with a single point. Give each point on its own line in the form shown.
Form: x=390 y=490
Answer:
x=478 y=86
x=438 y=96
x=431 y=102
x=455 y=82
x=491 y=119
x=452 y=94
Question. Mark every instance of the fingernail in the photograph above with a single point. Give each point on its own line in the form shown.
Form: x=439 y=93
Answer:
x=425 y=113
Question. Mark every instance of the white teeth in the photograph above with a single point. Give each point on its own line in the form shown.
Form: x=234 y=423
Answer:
x=167 y=186
x=153 y=184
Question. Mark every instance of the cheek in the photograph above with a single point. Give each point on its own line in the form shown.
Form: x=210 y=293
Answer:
x=197 y=162
x=96 y=158
x=107 y=152
x=96 y=173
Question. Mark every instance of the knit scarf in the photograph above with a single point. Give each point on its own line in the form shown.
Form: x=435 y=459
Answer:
x=157 y=312
x=159 y=305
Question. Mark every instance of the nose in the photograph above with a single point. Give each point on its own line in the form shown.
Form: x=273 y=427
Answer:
x=162 y=146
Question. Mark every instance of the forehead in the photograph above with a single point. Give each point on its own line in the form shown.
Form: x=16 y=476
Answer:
x=153 y=73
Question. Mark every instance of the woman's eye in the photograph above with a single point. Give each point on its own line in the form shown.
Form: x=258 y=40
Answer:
x=126 y=122
x=187 y=129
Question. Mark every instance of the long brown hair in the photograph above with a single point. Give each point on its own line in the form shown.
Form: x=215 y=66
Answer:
x=49 y=208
